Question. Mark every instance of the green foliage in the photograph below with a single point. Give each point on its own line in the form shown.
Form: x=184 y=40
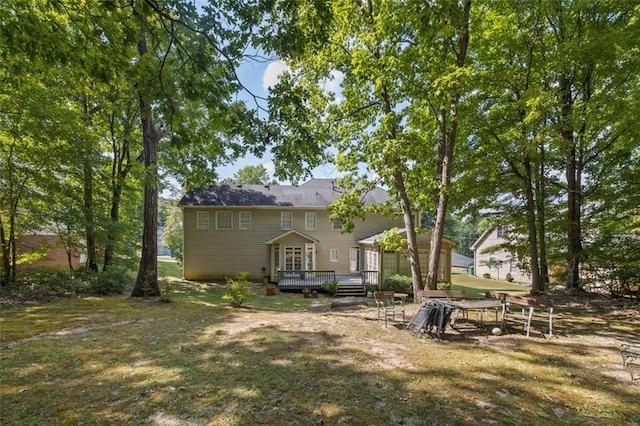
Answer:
x=172 y=237
x=609 y=267
x=237 y=290
x=443 y=285
x=486 y=275
x=398 y=283
x=46 y=282
x=251 y=175
x=330 y=287
x=167 y=288
x=113 y=280
x=509 y=277
x=370 y=288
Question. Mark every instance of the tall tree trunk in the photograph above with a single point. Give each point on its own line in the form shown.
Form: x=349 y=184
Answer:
x=574 y=245
x=537 y=284
x=412 y=240
x=147 y=279
x=90 y=231
x=12 y=245
x=115 y=218
x=405 y=204
x=446 y=143
x=442 y=200
x=6 y=264
x=119 y=172
x=541 y=216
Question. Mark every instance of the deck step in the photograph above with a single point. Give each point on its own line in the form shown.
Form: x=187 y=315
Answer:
x=350 y=289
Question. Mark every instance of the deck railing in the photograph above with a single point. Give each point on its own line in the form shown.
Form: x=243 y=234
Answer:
x=296 y=280
x=371 y=277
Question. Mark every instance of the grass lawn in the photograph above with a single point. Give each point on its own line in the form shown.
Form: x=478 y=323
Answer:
x=289 y=360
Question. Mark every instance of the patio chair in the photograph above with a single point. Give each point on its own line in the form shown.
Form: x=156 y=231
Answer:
x=631 y=360
x=388 y=306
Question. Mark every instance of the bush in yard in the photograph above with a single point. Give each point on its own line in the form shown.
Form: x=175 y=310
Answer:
x=370 y=288
x=486 y=275
x=48 y=282
x=237 y=289
x=509 y=277
x=41 y=283
x=109 y=281
x=398 y=283
x=443 y=285
x=330 y=287
x=166 y=290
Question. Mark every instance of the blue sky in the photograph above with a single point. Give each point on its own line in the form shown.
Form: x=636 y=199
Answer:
x=258 y=76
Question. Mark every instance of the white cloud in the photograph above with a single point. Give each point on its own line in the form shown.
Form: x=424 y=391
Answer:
x=333 y=83
x=271 y=168
x=272 y=74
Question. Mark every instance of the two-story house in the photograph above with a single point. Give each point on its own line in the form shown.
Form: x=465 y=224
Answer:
x=490 y=258
x=263 y=230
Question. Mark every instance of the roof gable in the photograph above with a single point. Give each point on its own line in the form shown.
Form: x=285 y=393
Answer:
x=292 y=232
x=481 y=240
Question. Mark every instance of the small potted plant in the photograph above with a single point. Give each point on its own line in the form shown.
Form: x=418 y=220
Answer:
x=306 y=292
x=270 y=289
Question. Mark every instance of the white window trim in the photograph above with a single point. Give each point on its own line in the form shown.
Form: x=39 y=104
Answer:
x=338 y=227
x=202 y=221
x=334 y=255
x=230 y=221
x=307 y=219
x=297 y=256
x=240 y=222
x=282 y=223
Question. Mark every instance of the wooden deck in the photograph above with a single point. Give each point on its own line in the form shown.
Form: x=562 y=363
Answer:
x=298 y=280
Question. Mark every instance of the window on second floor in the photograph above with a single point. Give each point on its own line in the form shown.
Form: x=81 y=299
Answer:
x=502 y=231
x=286 y=220
x=310 y=220
x=224 y=220
x=244 y=221
x=202 y=221
x=336 y=224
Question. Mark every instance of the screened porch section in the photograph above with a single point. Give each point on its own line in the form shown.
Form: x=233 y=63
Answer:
x=378 y=265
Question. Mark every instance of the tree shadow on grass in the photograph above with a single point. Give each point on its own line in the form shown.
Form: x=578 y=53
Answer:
x=191 y=362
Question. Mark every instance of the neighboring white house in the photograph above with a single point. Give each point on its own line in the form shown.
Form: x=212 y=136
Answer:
x=490 y=258
x=162 y=249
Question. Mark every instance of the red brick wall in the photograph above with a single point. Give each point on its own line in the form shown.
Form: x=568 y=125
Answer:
x=51 y=247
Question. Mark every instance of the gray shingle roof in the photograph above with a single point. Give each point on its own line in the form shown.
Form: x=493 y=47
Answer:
x=314 y=193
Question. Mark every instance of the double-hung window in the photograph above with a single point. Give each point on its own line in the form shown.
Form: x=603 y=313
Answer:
x=286 y=220
x=244 y=221
x=224 y=220
x=202 y=221
x=310 y=221
x=334 y=255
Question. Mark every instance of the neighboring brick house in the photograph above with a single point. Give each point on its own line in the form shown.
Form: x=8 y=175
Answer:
x=35 y=251
x=490 y=258
x=264 y=229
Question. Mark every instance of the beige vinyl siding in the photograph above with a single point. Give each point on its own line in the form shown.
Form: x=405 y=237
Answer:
x=481 y=257
x=215 y=253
